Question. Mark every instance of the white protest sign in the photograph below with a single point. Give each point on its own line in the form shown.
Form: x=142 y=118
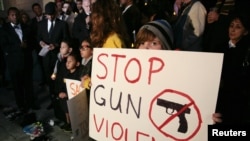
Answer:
x=73 y=87
x=153 y=95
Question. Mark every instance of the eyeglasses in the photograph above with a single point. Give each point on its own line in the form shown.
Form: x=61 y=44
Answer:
x=86 y=47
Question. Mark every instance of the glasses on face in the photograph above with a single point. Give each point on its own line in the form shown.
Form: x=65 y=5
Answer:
x=85 y=47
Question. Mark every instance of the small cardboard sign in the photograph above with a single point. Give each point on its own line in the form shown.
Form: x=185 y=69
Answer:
x=73 y=87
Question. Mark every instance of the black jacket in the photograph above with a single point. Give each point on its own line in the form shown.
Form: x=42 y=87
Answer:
x=60 y=32
x=234 y=96
x=17 y=53
x=79 y=29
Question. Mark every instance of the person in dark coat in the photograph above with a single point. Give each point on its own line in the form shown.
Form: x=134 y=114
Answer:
x=233 y=104
x=132 y=18
x=15 y=44
x=86 y=51
x=39 y=16
x=58 y=75
x=81 y=28
x=74 y=69
x=51 y=32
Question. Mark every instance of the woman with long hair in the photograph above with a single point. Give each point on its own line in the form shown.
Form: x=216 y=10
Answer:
x=107 y=25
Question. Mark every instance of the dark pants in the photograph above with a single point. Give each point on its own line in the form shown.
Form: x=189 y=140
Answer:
x=48 y=66
x=64 y=106
x=21 y=79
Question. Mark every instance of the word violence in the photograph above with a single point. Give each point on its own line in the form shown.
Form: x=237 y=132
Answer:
x=117 y=132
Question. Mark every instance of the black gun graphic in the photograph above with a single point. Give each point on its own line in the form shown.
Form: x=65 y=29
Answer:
x=175 y=106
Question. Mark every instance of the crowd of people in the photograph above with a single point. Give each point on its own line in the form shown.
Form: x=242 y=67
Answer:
x=69 y=30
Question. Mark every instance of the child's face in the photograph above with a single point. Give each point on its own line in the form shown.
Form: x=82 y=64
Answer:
x=236 y=30
x=85 y=50
x=64 y=49
x=153 y=44
x=71 y=63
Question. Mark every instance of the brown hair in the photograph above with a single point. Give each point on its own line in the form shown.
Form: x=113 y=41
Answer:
x=106 y=18
x=88 y=40
x=144 y=35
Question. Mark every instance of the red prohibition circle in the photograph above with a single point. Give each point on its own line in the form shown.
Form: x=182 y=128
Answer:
x=192 y=103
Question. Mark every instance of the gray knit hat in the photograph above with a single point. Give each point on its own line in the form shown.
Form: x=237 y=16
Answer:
x=163 y=30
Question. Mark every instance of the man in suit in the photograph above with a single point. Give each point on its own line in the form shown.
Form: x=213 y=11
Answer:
x=132 y=17
x=81 y=29
x=39 y=16
x=15 y=43
x=51 y=32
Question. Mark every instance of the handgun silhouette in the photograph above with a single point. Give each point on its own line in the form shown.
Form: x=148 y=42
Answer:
x=175 y=106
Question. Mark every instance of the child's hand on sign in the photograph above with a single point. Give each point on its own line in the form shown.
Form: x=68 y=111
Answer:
x=86 y=82
x=62 y=95
x=217 y=117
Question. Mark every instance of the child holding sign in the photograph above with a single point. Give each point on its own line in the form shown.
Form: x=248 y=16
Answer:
x=66 y=48
x=86 y=51
x=155 y=35
x=74 y=69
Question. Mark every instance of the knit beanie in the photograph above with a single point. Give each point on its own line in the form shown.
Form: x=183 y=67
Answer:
x=163 y=30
